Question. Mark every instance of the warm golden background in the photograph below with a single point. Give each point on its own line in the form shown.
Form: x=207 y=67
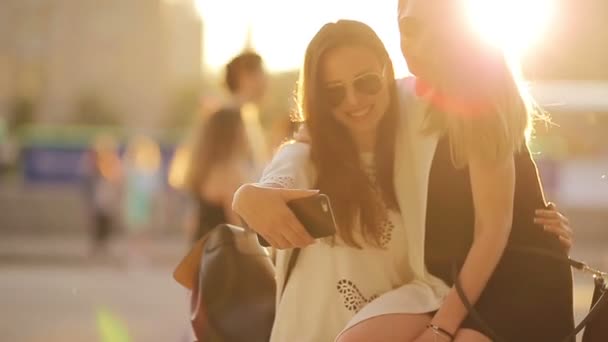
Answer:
x=72 y=71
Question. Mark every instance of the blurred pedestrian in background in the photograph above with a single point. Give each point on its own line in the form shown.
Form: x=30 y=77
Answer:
x=102 y=190
x=142 y=181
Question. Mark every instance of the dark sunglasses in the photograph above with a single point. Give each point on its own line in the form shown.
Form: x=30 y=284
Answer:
x=367 y=84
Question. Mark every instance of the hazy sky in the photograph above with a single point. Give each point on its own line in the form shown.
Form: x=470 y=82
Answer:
x=281 y=29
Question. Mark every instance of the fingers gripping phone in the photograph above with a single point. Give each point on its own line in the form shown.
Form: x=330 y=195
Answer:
x=315 y=214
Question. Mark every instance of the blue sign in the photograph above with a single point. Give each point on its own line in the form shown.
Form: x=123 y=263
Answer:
x=53 y=164
x=43 y=164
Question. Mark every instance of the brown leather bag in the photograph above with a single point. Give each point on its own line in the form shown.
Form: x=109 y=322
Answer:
x=232 y=279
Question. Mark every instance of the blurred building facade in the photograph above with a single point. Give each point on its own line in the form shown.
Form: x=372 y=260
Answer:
x=576 y=47
x=103 y=62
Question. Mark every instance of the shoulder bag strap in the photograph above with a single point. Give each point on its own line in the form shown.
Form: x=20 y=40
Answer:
x=599 y=304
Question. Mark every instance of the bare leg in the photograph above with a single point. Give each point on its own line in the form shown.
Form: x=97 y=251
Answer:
x=469 y=335
x=392 y=327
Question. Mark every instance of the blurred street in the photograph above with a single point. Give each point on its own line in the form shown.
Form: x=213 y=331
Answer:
x=54 y=293
x=50 y=291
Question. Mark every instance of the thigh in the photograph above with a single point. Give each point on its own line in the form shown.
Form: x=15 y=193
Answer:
x=470 y=335
x=383 y=328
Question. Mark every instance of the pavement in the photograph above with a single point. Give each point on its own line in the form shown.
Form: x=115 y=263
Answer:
x=75 y=249
x=51 y=290
x=45 y=303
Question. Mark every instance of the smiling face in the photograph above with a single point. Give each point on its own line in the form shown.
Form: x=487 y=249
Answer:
x=435 y=38
x=418 y=38
x=354 y=87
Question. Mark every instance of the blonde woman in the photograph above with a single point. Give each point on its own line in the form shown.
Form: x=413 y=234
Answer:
x=482 y=189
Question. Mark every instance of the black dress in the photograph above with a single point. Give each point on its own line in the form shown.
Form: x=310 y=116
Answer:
x=528 y=297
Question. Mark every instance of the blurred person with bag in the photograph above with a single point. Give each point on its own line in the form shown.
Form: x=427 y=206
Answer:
x=229 y=149
x=221 y=160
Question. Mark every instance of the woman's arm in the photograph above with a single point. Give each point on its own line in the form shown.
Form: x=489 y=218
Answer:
x=493 y=187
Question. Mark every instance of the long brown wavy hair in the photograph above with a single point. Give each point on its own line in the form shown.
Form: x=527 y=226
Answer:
x=355 y=200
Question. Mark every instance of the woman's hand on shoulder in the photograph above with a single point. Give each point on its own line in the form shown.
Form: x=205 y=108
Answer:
x=265 y=210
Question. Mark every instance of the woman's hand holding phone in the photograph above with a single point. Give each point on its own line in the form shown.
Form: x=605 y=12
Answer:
x=266 y=211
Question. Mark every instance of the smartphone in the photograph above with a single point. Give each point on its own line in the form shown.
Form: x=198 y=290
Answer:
x=315 y=214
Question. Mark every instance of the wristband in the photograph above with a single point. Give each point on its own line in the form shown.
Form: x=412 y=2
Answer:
x=440 y=331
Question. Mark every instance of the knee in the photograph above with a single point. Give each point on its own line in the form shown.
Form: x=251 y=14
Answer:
x=469 y=335
x=350 y=335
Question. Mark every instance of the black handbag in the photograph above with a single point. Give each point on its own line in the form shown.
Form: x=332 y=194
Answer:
x=233 y=286
x=595 y=322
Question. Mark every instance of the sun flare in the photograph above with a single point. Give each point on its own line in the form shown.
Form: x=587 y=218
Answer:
x=514 y=25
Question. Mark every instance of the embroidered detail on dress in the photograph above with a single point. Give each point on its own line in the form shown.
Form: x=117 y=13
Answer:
x=284 y=181
x=387 y=227
x=387 y=233
x=353 y=298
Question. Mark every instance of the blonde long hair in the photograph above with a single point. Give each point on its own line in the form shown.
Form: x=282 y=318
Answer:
x=477 y=98
x=482 y=106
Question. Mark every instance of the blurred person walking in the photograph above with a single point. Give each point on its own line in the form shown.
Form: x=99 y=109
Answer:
x=229 y=147
x=102 y=190
x=142 y=181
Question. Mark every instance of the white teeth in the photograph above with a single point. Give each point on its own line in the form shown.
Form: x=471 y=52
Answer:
x=360 y=113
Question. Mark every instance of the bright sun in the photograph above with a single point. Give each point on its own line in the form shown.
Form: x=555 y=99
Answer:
x=514 y=25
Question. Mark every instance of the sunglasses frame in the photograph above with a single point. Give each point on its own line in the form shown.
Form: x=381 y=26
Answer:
x=341 y=84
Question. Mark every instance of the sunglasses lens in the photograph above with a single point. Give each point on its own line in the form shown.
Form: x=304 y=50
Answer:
x=368 y=84
x=335 y=95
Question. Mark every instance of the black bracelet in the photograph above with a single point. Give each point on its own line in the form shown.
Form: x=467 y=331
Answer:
x=440 y=330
